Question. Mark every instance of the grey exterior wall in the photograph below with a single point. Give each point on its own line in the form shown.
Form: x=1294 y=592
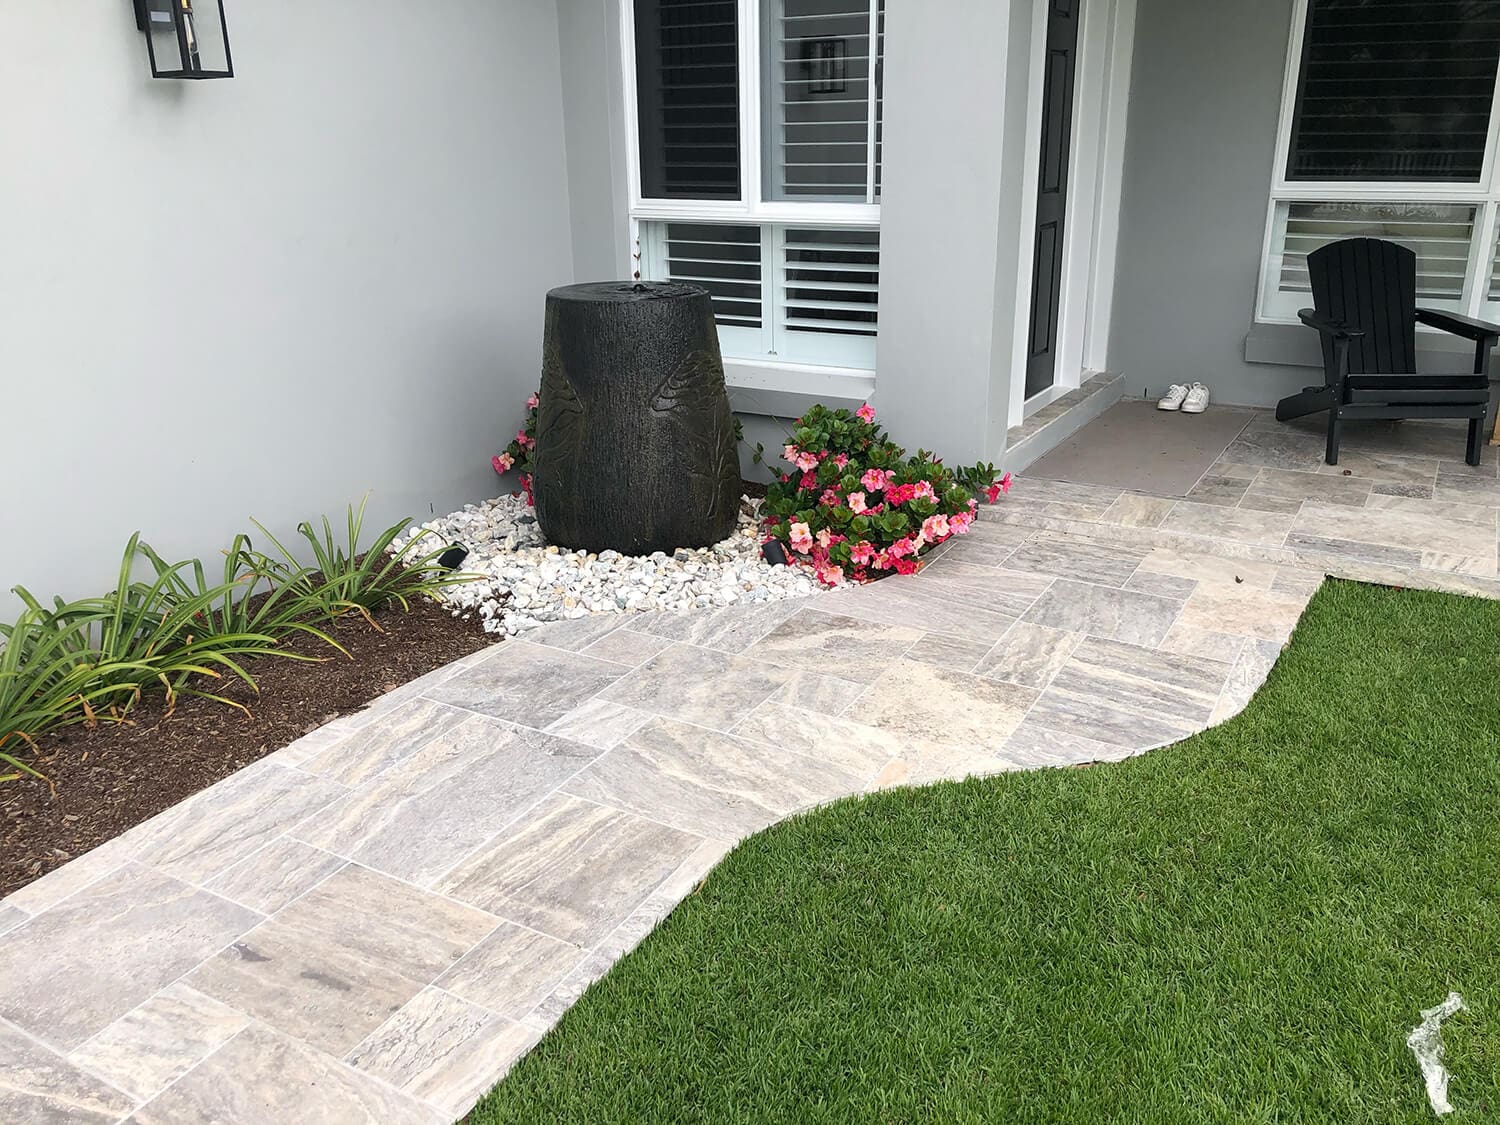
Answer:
x=1205 y=99
x=269 y=295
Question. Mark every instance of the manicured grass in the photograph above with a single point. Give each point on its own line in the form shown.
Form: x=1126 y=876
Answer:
x=1241 y=928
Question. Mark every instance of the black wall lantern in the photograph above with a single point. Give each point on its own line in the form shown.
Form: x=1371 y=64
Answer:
x=182 y=43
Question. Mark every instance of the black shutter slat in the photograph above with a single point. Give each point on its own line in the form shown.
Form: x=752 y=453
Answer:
x=1395 y=92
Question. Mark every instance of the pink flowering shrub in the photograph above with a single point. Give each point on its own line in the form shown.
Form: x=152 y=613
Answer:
x=854 y=506
x=518 y=454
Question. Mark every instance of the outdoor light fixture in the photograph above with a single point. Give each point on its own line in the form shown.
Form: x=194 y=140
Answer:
x=181 y=43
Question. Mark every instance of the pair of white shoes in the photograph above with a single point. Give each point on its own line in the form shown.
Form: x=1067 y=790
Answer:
x=1190 y=399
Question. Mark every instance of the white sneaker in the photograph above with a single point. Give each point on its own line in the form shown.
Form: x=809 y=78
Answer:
x=1172 y=400
x=1196 y=401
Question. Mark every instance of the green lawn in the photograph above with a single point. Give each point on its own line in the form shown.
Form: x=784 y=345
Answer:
x=1241 y=928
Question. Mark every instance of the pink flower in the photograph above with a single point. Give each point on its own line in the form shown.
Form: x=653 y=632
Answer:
x=829 y=499
x=901 y=548
x=531 y=403
x=841 y=460
x=1005 y=483
x=999 y=486
x=861 y=553
x=865 y=413
x=827 y=538
x=906 y=566
x=831 y=575
x=877 y=480
x=959 y=524
x=935 y=528
x=806 y=462
x=789 y=452
x=809 y=481
x=502 y=462
x=923 y=490
x=882 y=561
x=856 y=502
x=524 y=440
x=801 y=537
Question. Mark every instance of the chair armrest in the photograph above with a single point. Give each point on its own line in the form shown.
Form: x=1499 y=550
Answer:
x=1335 y=328
x=1467 y=327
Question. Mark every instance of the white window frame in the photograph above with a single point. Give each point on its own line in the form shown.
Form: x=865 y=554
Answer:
x=1484 y=195
x=750 y=209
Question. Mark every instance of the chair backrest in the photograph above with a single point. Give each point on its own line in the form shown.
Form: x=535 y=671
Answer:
x=1371 y=284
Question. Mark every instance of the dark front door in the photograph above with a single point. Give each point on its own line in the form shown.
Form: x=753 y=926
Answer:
x=1052 y=192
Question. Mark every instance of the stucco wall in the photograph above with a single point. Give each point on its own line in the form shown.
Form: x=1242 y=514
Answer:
x=267 y=295
x=1205 y=97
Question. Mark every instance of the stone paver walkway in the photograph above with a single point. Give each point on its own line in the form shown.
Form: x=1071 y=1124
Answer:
x=375 y=922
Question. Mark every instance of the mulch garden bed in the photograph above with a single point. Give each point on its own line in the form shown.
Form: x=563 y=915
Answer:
x=111 y=777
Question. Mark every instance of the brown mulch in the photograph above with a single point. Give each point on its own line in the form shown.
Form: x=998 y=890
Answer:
x=116 y=775
x=755 y=489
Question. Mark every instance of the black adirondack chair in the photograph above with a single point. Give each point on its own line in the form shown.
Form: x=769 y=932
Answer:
x=1365 y=309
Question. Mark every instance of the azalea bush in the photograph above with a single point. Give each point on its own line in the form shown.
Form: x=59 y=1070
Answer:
x=518 y=454
x=854 y=506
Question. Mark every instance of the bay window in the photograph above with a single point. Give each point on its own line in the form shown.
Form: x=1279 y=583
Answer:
x=1389 y=130
x=755 y=168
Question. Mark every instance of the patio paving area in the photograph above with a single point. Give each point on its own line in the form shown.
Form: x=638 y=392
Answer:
x=375 y=922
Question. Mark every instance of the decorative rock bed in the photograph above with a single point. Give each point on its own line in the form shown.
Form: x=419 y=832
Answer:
x=527 y=583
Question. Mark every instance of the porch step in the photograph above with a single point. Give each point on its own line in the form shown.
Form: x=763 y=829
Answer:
x=1058 y=421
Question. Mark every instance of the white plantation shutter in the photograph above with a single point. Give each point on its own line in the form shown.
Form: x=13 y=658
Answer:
x=823 y=99
x=1441 y=235
x=791 y=294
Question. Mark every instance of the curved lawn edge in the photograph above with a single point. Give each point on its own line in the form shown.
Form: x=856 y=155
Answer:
x=1242 y=929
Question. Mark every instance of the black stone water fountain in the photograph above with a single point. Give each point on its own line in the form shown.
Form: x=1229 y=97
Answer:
x=635 y=445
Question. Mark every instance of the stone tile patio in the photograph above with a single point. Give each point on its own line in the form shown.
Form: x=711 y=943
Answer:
x=375 y=922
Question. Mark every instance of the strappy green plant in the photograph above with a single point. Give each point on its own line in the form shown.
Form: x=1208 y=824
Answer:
x=349 y=577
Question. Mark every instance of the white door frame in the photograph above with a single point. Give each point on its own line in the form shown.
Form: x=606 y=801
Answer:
x=1106 y=44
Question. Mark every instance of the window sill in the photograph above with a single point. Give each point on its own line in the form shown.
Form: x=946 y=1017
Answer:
x=785 y=390
x=1296 y=345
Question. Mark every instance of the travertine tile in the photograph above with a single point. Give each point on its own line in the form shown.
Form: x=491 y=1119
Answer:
x=149 y=1047
x=1206 y=644
x=989 y=542
x=625 y=646
x=844 y=740
x=818 y=691
x=505 y=686
x=570 y=868
x=1133 y=509
x=1222 y=490
x=107 y=949
x=1295 y=486
x=1276 y=449
x=212 y=831
x=39 y=1085
x=1239 y=524
x=512 y=970
x=305 y=985
x=707 y=783
x=1034 y=746
x=44 y=893
x=599 y=723
x=1082 y=559
x=1170 y=586
x=270 y=878
x=1311 y=546
x=731 y=629
x=958 y=709
x=261 y=1077
x=1247 y=612
x=1030 y=655
x=387 y=922
x=11 y=917
x=1383 y=469
x=447 y=799
x=566 y=994
x=1249 y=672
x=577 y=634
x=443 y=1050
x=1443 y=509
x=358 y=757
x=1102 y=611
x=1205 y=569
x=917 y=604
x=1407 y=530
x=856 y=649
x=1009 y=592
x=943 y=650
x=699 y=685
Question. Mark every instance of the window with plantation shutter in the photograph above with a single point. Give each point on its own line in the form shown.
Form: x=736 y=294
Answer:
x=758 y=176
x=1395 y=91
x=687 y=78
x=1389 y=132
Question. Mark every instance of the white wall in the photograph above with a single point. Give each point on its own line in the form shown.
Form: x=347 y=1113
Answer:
x=271 y=294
